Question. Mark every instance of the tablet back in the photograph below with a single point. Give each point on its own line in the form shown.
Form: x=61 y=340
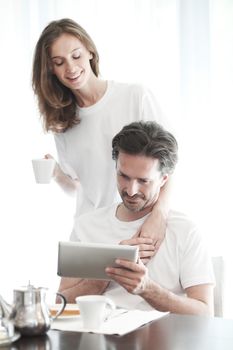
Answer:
x=89 y=260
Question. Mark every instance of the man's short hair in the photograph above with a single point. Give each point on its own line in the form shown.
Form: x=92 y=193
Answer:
x=147 y=139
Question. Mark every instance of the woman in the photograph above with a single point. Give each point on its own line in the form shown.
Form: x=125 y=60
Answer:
x=84 y=112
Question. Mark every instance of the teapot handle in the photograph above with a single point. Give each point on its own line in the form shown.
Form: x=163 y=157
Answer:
x=63 y=305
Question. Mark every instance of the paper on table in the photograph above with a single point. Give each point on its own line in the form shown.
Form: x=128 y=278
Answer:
x=124 y=323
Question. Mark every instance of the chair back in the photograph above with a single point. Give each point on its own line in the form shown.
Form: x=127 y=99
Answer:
x=218 y=266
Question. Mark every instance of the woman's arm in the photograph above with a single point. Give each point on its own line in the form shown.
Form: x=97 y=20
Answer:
x=154 y=226
x=67 y=184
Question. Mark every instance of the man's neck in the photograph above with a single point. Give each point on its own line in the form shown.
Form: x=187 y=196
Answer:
x=124 y=214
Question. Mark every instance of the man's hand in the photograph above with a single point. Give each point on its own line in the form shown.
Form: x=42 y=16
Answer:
x=146 y=247
x=134 y=278
x=130 y=275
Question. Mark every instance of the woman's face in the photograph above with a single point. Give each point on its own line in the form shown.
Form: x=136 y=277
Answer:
x=71 y=61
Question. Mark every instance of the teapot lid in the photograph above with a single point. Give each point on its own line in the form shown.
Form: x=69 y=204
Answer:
x=29 y=288
x=28 y=295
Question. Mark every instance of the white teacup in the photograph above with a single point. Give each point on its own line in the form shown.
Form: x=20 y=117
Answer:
x=93 y=309
x=43 y=169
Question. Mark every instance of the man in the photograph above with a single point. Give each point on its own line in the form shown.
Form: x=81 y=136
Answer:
x=179 y=278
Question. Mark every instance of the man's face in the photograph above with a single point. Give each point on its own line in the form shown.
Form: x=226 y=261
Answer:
x=139 y=181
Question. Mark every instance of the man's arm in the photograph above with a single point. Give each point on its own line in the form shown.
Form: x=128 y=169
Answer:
x=134 y=278
x=199 y=299
x=73 y=287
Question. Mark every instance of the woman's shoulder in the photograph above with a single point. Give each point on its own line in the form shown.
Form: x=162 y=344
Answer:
x=128 y=87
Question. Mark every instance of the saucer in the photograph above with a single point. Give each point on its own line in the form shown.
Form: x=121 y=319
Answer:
x=9 y=340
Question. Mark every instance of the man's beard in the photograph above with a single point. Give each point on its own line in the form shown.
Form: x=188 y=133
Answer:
x=134 y=206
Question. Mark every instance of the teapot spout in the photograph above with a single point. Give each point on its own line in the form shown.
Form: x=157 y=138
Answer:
x=5 y=308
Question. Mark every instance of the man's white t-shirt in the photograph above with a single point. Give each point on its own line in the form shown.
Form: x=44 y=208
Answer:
x=181 y=262
x=84 y=151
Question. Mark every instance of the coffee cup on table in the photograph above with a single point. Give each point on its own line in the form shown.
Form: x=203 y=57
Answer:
x=94 y=309
x=43 y=169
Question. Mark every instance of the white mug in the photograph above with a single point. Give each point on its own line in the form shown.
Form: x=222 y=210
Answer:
x=43 y=169
x=93 y=309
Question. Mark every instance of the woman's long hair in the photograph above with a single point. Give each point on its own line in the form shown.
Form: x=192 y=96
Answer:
x=57 y=103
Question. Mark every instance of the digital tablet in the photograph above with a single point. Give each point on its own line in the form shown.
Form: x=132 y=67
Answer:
x=89 y=260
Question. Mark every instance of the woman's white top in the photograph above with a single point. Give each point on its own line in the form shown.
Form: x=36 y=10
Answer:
x=85 y=151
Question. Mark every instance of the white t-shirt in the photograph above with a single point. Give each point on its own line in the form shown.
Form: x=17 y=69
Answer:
x=84 y=152
x=181 y=262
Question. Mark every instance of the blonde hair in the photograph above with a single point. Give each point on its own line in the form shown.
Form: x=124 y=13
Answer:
x=57 y=104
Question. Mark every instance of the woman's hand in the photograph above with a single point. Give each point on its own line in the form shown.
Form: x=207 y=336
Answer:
x=154 y=227
x=155 y=224
x=68 y=184
x=145 y=245
x=57 y=169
